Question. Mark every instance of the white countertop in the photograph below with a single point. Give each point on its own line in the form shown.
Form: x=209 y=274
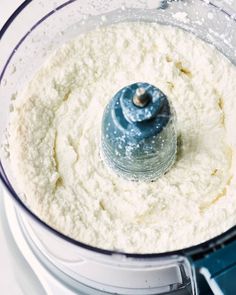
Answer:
x=7 y=7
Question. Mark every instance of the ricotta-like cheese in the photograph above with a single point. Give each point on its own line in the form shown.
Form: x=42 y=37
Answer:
x=55 y=140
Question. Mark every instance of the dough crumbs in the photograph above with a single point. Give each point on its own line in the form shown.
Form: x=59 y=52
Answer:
x=55 y=140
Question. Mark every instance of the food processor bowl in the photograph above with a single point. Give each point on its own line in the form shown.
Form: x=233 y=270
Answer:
x=29 y=36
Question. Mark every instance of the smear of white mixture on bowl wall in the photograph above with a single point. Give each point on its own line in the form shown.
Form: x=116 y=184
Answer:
x=55 y=140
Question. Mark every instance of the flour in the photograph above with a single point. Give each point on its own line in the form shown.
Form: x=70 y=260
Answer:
x=55 y=140
x=181 y=16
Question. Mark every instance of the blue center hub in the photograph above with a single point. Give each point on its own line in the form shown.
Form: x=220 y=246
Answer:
x=138 y=133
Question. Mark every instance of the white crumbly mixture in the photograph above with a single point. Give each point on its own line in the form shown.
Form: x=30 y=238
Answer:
x=55 y=140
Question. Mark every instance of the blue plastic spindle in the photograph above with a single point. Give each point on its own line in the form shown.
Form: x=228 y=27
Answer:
x=139 y=139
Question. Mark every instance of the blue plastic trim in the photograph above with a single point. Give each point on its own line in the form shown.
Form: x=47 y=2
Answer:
x=219 y=270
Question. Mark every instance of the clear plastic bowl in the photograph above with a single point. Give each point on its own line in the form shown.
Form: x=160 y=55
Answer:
x=29 y=36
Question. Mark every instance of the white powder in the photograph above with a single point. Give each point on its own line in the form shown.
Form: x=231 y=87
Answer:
x=181 y=16
x=55 y=140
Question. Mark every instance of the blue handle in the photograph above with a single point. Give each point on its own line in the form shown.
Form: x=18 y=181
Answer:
x=219 y=270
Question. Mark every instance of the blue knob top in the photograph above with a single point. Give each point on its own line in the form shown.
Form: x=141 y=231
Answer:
x=140 y=101
x=138 y=135
x=141 y=120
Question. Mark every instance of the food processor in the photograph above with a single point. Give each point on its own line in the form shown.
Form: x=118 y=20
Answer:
x=67 y=266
